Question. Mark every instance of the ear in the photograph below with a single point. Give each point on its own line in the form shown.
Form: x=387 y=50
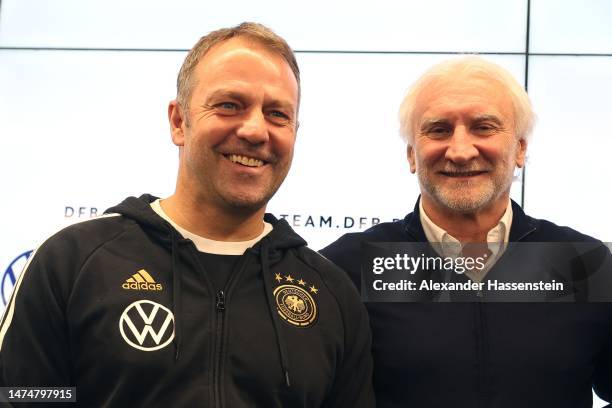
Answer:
x=177 y=123
x=411 y=159
x=521 y=153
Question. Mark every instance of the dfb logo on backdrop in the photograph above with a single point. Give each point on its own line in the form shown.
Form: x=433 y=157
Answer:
x=10 y=275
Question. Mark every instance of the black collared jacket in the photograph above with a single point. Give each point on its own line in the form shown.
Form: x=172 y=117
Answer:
x=121 y=307
x=479 y=354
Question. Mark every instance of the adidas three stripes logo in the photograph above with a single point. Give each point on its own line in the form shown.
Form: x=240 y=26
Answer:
x=141 y=280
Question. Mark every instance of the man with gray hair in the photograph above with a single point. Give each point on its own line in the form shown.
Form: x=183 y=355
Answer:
x=200 y=299
x=467 y=122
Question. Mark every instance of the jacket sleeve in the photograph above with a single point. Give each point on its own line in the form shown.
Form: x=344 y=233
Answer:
x=602 y=379
x=34 y=343
x=353 y=386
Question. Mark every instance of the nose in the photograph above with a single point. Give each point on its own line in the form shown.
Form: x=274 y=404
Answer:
x=254 y=128
x=461 y=148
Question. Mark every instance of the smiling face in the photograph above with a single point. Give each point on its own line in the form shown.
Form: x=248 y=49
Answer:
x=236 y=141
x=465 y=148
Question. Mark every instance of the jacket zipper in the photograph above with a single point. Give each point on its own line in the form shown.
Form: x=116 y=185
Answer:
x=220 y=305
x=481 y=355
x=481 y=340
x=220 y=301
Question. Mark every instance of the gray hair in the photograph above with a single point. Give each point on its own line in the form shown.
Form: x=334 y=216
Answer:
x=475 y=67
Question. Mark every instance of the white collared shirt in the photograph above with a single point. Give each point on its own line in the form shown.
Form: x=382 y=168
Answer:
x=448 y=246
x=211 y=246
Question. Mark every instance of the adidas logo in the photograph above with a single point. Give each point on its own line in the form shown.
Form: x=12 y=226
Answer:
x=141 y=280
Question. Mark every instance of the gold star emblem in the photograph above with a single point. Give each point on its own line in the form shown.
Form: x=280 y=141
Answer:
x=289 y=278
x=301 y=282
x=313 y=289
x=278 y=277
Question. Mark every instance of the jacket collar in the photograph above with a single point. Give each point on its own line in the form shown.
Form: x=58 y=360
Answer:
x=413 y=226
x=522 y=224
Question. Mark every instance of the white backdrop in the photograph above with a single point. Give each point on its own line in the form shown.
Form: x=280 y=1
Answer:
x=84 y=87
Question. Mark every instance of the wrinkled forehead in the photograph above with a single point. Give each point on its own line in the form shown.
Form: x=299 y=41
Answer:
x=463 y=94
x=241 y=60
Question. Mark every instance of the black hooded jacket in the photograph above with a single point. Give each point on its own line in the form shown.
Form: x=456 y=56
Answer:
x=122 y=308
x=478 y=354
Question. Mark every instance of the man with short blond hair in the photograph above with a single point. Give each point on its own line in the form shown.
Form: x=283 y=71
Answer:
x=466 y=123
x=201 y=298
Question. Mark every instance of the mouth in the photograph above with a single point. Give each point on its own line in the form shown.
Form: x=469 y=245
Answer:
x=463 y=174
x=245 y=160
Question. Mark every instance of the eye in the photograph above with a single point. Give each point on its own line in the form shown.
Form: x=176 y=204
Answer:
x=484 y=129
x=227 y=107
x=279 y=117
x=438 y=131
x=278 y=114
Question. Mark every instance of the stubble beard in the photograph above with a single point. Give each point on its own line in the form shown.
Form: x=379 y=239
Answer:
x=468 y=196
x=250 y=200
x=244 y=202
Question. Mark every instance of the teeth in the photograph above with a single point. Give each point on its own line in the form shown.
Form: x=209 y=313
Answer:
x=246 y=161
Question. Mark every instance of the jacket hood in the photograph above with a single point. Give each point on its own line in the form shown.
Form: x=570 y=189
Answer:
x=139 y=209
x=270 y=249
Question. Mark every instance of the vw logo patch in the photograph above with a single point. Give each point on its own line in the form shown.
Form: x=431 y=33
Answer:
x=146 y=325
x=11 y=274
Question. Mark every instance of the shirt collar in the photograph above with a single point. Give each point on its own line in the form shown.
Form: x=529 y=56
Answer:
x=499 y=234
x=211 y=246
